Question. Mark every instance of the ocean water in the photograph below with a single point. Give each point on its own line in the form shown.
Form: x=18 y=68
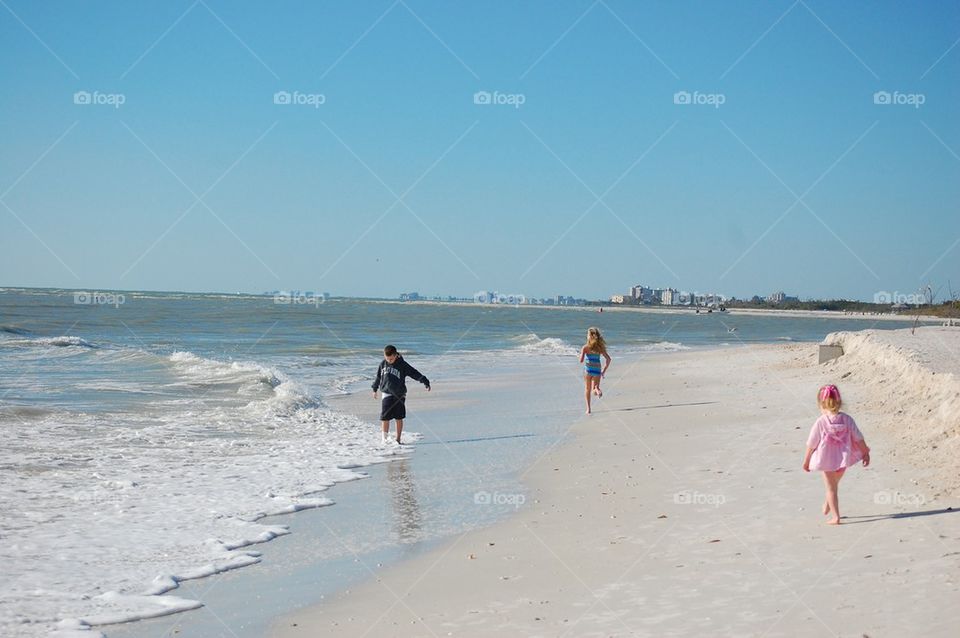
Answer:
x=154 y=440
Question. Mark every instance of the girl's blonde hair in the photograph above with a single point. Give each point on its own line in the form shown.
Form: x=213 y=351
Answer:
x=595 y=342
x=828 y=398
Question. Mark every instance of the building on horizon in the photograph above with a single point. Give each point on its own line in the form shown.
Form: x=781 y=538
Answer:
x=640 y=294
x=780 y=297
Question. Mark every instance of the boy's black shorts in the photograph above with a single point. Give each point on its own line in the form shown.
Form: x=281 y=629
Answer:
x=392 y=407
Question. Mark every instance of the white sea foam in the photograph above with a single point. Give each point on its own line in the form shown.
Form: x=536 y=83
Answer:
x=124 y=507
x=533 y=344
x=663 y=346
x=212 y=370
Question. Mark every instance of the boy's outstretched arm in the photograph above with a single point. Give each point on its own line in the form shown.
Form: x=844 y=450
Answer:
x=415 y=374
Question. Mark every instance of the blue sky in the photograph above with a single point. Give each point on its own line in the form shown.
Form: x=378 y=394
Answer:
x=400 y=181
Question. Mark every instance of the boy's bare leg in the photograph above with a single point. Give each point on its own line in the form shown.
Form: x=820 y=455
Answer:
x=384 y=430
x=399 y=429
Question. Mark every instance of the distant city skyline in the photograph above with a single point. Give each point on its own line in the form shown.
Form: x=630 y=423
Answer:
x=369 y=148
x=298 y=295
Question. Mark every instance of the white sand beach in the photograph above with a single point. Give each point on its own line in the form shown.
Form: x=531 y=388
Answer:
x=680 y=508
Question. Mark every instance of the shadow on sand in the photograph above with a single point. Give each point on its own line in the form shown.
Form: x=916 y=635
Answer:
x=872 y=518
x=482 y=438
x=665 y=405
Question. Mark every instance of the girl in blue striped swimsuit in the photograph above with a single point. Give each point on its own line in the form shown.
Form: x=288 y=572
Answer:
x=590 y=355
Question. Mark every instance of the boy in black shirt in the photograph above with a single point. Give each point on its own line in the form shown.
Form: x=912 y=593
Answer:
x=390 y=382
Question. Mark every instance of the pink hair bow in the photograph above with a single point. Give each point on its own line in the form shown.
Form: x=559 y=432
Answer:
x=829 y=391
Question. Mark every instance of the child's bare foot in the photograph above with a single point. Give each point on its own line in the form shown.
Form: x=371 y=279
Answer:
x=834 y=521
x=587 y=412
x=826 y=508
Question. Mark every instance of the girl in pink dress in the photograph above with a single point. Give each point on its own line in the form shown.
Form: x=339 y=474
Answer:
x=835 y=443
